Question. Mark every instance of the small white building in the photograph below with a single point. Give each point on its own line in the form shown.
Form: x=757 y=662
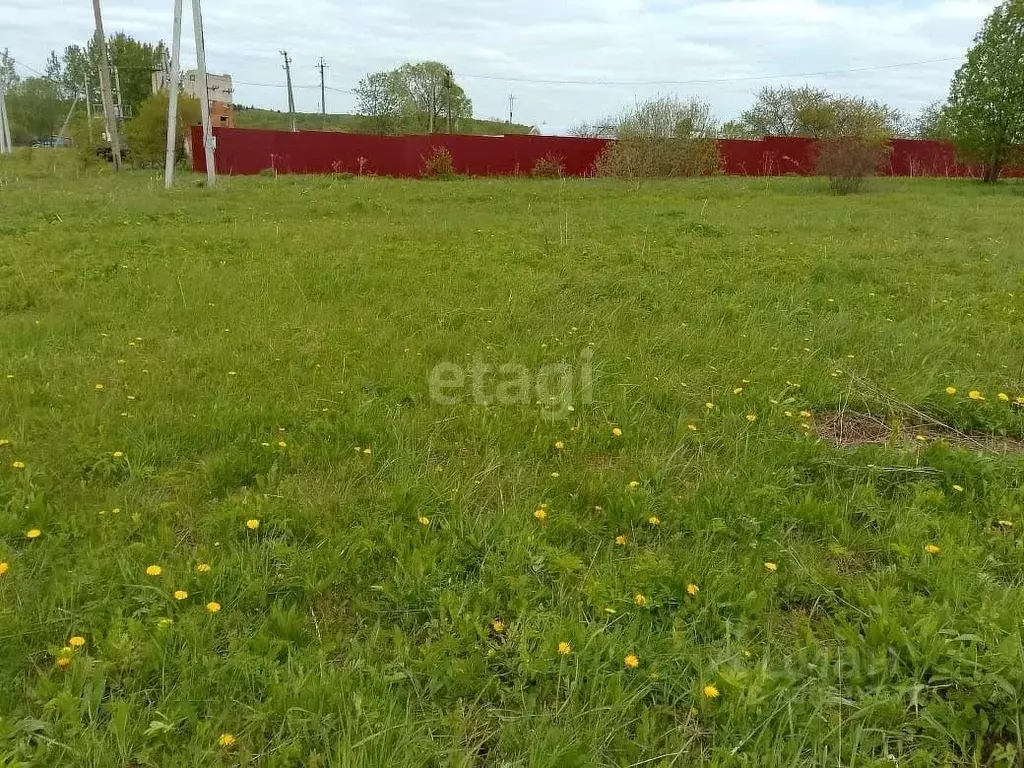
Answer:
x=219 y=86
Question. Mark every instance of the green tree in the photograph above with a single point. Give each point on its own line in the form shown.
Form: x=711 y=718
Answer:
x=36 y=109
x=421 y=97
x=134 y=60
x=8 y=74
x=147 y=131
x=985 y=111
x=814 y=112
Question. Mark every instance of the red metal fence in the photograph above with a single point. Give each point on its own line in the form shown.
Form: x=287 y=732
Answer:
x=244 y=151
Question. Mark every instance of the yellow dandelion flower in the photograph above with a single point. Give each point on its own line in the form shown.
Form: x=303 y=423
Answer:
x=709 y=406
x=692 y=427
x=710 y=691
x=180 y=594
x=18 y=464
x=773 y=567
x=737 y=391
x=616 y=432
x=751 y=417
x=632 y=661
x=212 y=607
x=1004 y=397
x=4 y=568
x=77 y=641
x=958 y=488
x=564 y=648
x=4 y=442
x=559 y=445
x=620 y=540
x=788 y=414
x=154 y=570
x=805 y=414
x=692 y=590
x=253 y=524
x=33 y=533
x=634 y=483
x=540 y=513
x=203 y=568
x=654 y=520
x=226 y=740
x=282 y=444
x=423 y=520
x=555 y=475
x=63 y=662
x=1000 y=523
x=367 y=451
x=951 y=391
x=164 y=623
x=1019 y=400
x=498 y=626
x=639 y=599
x=975 y=395
x=99 y=387
x=118 y=454
x=931 y=549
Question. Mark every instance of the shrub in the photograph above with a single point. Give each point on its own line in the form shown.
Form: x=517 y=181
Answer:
x=848 y=160
x=146 y=133
x=650 y=157
x=549 y=167
x=439 y=164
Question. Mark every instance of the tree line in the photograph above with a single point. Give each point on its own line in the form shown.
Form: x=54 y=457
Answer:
x=983 y=114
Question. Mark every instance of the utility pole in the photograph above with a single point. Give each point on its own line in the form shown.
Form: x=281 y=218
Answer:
x=6 y=146
x=511 y=107
x=88 y=108
x=108 y=101
x=291 y=97
x=204 y=88
x=172 y=99
x=118 y=101
x=322 y=65
x=448 y=89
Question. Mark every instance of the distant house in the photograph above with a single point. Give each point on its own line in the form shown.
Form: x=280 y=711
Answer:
x=220 y=93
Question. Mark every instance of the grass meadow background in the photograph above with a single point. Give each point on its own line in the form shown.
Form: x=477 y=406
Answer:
x=175 y=365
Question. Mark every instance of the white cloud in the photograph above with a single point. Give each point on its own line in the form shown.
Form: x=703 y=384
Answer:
x=621 y=40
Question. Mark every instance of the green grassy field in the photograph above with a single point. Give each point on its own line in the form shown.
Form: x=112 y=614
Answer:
x=175 y=365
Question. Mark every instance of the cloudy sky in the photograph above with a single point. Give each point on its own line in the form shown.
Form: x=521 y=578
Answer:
x=610 y=51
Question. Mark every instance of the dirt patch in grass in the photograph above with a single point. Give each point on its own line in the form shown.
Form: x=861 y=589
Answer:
x=849 y=429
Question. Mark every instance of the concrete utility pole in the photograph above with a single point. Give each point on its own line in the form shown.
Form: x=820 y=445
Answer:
x=511 y=107
x=322 y=65
x=291 y=97
x=118 y=101
x=204 y=89
x=108 y=100
x=88 y=108
x=209 y=142
x=6 y=146
x=172 y=99
x=448 y=90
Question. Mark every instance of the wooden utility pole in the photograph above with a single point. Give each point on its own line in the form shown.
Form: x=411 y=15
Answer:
x=108 y=100
x=291 y=97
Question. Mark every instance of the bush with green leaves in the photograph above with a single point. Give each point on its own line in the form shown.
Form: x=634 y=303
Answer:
x=662 y=138
x=146 y=133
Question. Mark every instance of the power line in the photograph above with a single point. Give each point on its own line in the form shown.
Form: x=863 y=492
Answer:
x=709 y=81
